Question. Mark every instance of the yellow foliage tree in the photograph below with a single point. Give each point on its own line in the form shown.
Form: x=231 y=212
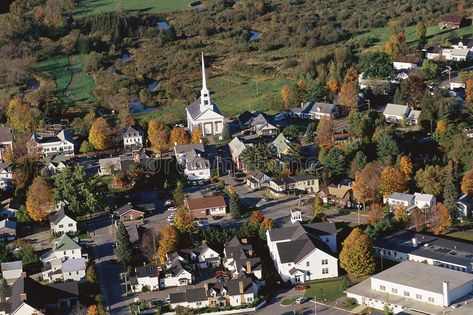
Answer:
x=167 y=243
x=157 y=136
x=467 y=183
x=401 y=214
x=440 y=219
x=405 y=164
x=333 y=85
x=196 y=135
x=351 y=76
x=93 y=310
x=39 y=200
x=183 y=221
x=441 y=126
x=20 y=116
x=8 y=154
x=469 y=89
x=286 y=95
x=178 y=136
x=392 y=180
x=99 y=134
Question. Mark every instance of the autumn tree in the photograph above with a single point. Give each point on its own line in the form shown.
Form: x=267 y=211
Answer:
x=467 y=183
x=157 y=136
x=469 y=90
x=356 y=256
x=256 y=217
x=440 y=219
x=396 y=44
x=178 y=136
x=365 y=187
x=405 y=164
x=39 y=200
x=167 y=242
x=99 y=135
x=178 y=195
x=183 y=221
x=318 y=210
x=196 y=136
x=400 y=213
x=20 y=116
x=325 y=130
x=348 y=96
x=20 y=178
x=351 y=76
x=392 y=180
x=286 y=95
x=93 y=310
x=376 y=213
x=417 y=218
x=431 y=179
x=333 y=86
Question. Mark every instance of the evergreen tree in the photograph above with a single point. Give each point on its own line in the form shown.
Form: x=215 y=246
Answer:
x=358 y=163
x=387 y=149
x=27 y=254
x=450 y=193
x=3 y=289
x=334 y=162
x=22 y=215
x=123 y=250
x=235 y=205
x=226 y=134
x=318 y=210
x=310 y=132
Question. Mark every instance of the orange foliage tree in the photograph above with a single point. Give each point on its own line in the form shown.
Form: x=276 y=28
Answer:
x=440 y=219
x=348 y=96
x=405 y=164
x=99 y=134
x=333 y=85
x=467 y=183
x=376 y=213
x=196 y=136
x=178 y=136
x=157 y=136
x=365 y=187
x=39 y=201
x=392 y=180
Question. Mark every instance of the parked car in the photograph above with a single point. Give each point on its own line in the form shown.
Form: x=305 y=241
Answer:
x=301 y=287
x=172 y=209
x=168 y=203
x=301 y=300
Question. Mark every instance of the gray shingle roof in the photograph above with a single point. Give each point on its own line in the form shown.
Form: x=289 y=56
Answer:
x=402 y=197
x=71 y=265
x=12 y=265
x=5 y=135
x=147 y=271
x=186 y=148
x=59 y=215
x=396 y=110
x=196 y=160
x=196 y=294
x=433 y=247
x=194 y=109
x=178 y=297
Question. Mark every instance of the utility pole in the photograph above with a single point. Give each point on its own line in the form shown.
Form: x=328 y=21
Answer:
x=315 y=304
x=218 y=170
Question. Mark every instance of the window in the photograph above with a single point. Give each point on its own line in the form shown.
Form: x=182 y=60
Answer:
x=70 y=224
x=198 y=303
x=64 y=252
x=382 y=288
x=61 y=226
x=406 y=294
x=324 y=271
x=249 y=299
x=393 y=290
x=431 y=299
x=73 y=251
x=324 y=261
x=418 y=296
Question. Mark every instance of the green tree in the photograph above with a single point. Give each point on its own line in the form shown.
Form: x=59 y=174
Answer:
x=316 y=92
x=387 y=149
x=430 y=69
x=376 y=65
x=4 y=253
x=234 y=205
x=450 y=192
x=226 y=132
x=257 y=157
x=85 y=193
x=3 y=289
x=124 y=249
x=421 y=32
x=27 y=254
x=334 y=163
x=86 y=147
x=291 y=131
x=22 y=215
x=318 y=210
x=431 y=179
x=310 y=132
x=356 y=256
x=178 y=195
x=358 y=163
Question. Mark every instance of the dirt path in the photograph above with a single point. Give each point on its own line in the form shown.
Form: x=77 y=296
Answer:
x=75 y=78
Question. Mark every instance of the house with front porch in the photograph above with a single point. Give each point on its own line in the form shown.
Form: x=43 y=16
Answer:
x=293 y=184
x=206 y=206
x=202 y=257
x=146 y=276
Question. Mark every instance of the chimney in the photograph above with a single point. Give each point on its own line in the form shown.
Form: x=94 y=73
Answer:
x=414 y=242
x=23 y=275
x=244 y=241
x=241 y=287
x=446 y=293
x=175 y=143
x=250 y=252
x=206 y=287
x=22 y=297
x=200 y=140
x=302 y=104
x=248 y=266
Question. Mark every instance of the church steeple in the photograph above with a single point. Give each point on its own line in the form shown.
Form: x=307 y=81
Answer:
x=205 y=102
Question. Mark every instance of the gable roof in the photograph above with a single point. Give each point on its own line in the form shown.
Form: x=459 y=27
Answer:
x=281 y=143
x=396 y=110
x=232 y=286
x=147 y=271
x=205 y=202
x=235 y=249
x=186 y=148
x=338 y=191
x=72 y=265
x=407 y=59
x=237 y=147
x=12 y=265
x=64 y=242
x=131 y=131
x=55 y=218
x=194 y=109
x=5 y=135
x=8 y=224
x=196 y=160
x=127 y=208
x=401 y=196
x=455 y=19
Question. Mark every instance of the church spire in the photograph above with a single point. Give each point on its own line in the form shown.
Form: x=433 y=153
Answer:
x=204 y=92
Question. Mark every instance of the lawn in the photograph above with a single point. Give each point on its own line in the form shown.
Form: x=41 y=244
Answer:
x=148 y=6
x=288 y=301
x=68 y=89
x=381 y=35
x=462 y=235
x=326 y=290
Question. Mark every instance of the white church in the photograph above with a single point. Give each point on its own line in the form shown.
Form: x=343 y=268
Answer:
x=203 y=113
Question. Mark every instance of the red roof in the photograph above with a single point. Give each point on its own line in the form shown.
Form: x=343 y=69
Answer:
x=206 y=202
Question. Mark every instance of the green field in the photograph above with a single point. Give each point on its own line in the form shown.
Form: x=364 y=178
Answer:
x=381 y=35
x=146 y=6
x=67 y=90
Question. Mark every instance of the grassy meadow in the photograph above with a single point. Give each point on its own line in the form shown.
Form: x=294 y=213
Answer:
x=146 y=6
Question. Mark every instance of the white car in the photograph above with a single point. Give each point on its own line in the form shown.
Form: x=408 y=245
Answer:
x=168 y=203
x=172 y=209
x=301 y=300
